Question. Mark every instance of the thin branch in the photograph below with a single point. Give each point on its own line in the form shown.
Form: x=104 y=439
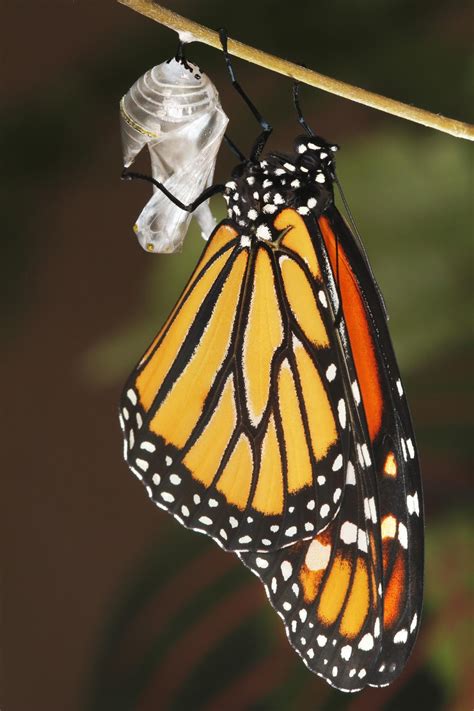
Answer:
x=192 y=31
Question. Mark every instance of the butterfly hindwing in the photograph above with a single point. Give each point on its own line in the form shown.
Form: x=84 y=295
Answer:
x=325 y=589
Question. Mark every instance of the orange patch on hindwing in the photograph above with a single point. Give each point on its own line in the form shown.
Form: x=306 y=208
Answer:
x=357 y=605
x=334 y=591
x=394 y=592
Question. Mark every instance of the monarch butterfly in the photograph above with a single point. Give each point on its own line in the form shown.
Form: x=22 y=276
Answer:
x=174 y=109
x=269 y=414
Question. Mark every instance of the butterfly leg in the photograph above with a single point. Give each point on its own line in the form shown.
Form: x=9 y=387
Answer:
x=265 y=126
x=205 y=195
x=236 y=151
x=299 y=112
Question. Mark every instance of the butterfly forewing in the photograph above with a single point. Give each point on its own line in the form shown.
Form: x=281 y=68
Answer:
x=243 y=424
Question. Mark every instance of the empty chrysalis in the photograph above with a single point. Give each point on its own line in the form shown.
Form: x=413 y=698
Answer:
x=174 y=109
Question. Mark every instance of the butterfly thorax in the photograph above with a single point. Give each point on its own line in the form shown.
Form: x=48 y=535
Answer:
x=302 y=181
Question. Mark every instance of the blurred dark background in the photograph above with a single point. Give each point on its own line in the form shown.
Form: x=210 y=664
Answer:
x=106 y=602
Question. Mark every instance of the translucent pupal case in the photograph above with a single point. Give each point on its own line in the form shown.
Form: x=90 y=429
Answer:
x=174 y=109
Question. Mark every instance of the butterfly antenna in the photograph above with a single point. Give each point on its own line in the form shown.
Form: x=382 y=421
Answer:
x=265 y=126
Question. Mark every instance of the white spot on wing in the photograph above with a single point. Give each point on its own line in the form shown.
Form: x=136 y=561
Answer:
x=346 y=652
x=348 y=532
x=377 y=627
x=404 y=449
x=389 y=527
x=264 y=232
x=366 y=455
x=366 y=643
x=412 y=504
x=401 y=636
x=403 y=535
x=147 y=446
x=132 y=396
x=356 y=392
x=324 y=510
x=362 y=540
x=350 y=474
x=317 y=555
x=341 y=411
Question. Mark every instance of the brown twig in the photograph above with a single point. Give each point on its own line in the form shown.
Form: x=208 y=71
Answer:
x=193 y=31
